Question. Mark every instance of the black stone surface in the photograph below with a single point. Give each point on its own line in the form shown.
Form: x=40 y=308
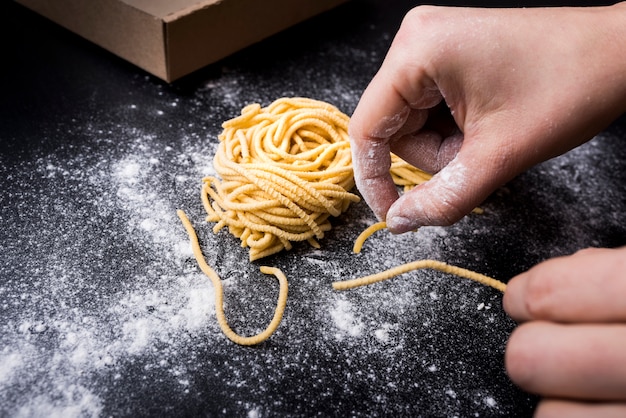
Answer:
x=103 y=311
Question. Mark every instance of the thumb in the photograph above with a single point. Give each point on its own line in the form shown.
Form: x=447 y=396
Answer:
x=451 y=193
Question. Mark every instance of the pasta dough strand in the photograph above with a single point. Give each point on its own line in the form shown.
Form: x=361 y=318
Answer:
x=405 y=268
x=416 y=265
x=219 y=294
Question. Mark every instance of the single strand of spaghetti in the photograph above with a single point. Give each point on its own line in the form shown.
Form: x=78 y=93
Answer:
x=278 y=141
x=368 y=232
x=219 y=297
x=421 y=264
x=243 y=142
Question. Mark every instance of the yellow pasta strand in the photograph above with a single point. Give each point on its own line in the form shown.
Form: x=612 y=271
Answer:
x=405 y=268
x=219 y=294
x=368 y=232
x=415 y=265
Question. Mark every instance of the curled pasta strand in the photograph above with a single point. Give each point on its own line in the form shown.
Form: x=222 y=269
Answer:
x=219 y=294
x=368 y=232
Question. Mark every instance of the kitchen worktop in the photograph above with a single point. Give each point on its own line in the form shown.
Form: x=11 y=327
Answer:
x=104 y=312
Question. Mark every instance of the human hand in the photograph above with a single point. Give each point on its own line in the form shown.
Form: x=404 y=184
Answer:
x=571 y=346
x=520 y=86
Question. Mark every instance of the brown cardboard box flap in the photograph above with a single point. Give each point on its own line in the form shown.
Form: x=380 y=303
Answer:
x=172 y=38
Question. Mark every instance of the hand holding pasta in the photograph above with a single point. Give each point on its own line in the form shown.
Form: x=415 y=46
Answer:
x=477 y=96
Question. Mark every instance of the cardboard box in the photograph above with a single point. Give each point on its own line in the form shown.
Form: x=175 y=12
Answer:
x=172 y=38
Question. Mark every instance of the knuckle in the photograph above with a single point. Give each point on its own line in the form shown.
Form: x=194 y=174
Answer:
x=418 y=22
x=422 y=16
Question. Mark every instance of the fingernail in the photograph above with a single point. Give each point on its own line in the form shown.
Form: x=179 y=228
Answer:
x=400 y=224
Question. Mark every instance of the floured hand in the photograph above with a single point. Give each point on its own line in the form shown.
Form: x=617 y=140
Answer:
x=479 y=95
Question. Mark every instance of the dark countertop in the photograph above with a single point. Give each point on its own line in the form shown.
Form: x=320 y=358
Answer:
x=103 y=311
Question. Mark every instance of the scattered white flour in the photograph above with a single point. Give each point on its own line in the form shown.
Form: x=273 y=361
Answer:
x=56 y=340
x=345 y=320
x=384 y=333
x=490 y=402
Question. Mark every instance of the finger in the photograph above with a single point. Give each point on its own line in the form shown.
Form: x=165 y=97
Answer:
x=380 y=116
x=391 y=106
x=552 y=408
x=588 y=286
x=569 y=361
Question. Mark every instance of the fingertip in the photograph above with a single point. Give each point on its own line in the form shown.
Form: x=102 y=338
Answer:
x=404 y=214
x=513 y=300
x=400 y=224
